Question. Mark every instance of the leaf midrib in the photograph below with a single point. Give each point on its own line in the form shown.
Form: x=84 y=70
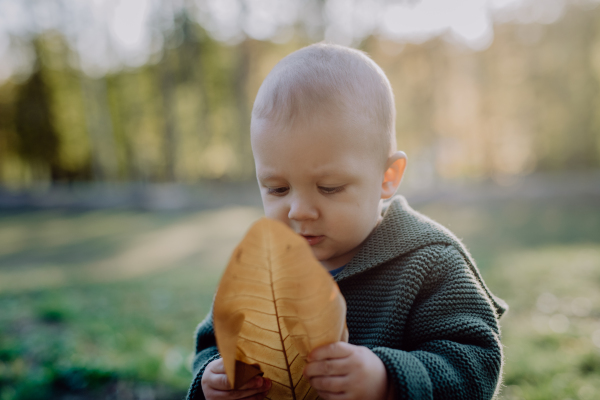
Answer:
x=285 y=357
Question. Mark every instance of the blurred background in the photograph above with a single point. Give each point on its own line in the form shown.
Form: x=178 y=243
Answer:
x=126 y=174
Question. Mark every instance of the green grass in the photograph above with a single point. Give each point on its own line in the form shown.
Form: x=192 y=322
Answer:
x=543 y=258
x=125 y=328
x=103 y=305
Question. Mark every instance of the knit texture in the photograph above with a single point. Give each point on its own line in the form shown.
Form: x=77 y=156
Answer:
x=416 y=299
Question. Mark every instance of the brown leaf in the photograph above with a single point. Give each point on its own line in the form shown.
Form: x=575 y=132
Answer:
x=276 y=303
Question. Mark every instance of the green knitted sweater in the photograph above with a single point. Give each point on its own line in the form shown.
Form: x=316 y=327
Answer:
x=417 y=300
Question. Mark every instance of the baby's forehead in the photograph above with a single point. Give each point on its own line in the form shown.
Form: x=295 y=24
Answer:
x=322 y=126
x=329 y=84
x=319 y=137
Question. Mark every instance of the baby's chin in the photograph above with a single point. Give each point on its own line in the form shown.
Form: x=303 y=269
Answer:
x=332 y=261
x=319 y=254
x=322 y=256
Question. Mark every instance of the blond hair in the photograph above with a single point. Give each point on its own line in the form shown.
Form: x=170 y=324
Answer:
x=327 y=79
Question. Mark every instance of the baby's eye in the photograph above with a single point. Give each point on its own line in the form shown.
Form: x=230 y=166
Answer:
x=330 y=190
x=278 y=191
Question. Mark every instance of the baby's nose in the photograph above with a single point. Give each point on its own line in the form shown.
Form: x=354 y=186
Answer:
x=302 y=210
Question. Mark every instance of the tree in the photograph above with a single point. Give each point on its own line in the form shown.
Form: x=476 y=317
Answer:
x=37 y=140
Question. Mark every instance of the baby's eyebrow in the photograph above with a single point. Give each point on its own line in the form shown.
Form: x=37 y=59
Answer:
x=269 y=177
x=329 y=173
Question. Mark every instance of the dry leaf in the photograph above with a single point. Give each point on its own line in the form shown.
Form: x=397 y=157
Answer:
x=275 y=303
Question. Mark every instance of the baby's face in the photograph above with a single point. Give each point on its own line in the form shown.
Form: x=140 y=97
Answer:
x=324 y=181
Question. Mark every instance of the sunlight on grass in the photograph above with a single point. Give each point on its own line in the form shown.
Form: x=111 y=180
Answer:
x=207 y=235
x=104 y=304
x=121 y=323
x=554 y=294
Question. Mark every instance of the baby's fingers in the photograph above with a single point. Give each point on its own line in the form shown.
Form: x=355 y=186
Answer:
x=216 y=366
x=216 y=381
x=254 y=392
x=333 y=367
x=331 y=385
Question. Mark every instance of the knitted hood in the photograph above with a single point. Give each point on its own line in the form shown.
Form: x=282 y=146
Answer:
x=402 y=231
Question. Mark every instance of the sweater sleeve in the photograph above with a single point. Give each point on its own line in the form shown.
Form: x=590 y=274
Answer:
x=206 y=352
x=451 y=347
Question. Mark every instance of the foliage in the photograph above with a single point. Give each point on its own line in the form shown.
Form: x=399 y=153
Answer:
x=528 y=102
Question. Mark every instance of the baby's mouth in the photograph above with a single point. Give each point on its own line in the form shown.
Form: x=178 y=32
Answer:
x=313 y=240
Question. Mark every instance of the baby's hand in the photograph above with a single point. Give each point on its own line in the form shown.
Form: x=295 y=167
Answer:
x=216 y=386
x=345 y=371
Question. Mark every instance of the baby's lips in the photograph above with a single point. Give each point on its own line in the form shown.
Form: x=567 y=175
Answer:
x=313 y=240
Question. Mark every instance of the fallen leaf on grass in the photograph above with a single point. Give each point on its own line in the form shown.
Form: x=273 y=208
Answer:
x=275 y=304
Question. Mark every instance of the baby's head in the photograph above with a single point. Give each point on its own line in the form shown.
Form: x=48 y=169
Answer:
x=323 y=138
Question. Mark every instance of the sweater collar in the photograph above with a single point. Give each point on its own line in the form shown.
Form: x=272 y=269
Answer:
x=401 y=231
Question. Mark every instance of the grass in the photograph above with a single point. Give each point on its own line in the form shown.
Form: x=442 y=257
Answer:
x=543 y=258
x=124 y=327
x=103 y=305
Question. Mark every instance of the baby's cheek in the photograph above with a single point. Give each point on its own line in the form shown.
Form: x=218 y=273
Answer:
x=359 y=221
x=351 y=232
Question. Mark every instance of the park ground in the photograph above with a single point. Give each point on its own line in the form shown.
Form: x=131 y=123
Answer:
x=102 y=304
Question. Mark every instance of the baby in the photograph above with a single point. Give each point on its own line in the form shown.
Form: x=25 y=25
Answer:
x=422 y=323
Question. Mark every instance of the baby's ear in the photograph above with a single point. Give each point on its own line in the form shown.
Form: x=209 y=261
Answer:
x=396 y=164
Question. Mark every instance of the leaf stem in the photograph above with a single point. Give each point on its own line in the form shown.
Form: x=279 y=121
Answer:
x=285 y=357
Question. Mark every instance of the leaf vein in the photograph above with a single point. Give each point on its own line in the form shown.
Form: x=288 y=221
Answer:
x=266 y=363
x=242 y=295
x=294 y=359
x=246 y=279
x=264 y=329
x=289 y=277
x=259 y=343
x=281 y=384
x=252 y=309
